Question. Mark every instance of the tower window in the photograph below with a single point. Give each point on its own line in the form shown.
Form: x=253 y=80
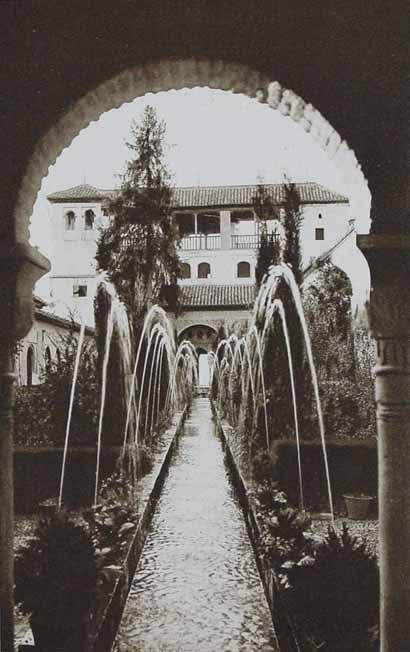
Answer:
x=319 y=233
x=204 y=270
x=70 y=221
x=89 y=218
x=79 y=290
x=244 y=270
x=185 y=270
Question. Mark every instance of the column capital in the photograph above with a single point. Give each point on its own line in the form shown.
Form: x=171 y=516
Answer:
x=388 y=309
x=21 y=265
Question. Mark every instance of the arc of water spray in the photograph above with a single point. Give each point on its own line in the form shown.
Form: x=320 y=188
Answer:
x=213 y=364
x=154 y=311
x=184 y=347
x=157 y=386
x=250 y=373
x=284 y=271
x=254 y=331
x=158 y=341
x=157 y=331
x=108 y=338
x=277 y=306
x=70 y=411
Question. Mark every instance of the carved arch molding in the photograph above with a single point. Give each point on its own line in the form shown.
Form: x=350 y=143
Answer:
x=168 y=75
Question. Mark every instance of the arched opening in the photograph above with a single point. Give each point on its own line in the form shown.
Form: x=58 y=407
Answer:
x=83 y=112
x=202 y=336
x=204 y=270
x=203 y=368
x=30 y=366
x=177 y=74
x=89 y=219
x=70 y=221
x=244 y=269
x=47 y=357
x=185 y=270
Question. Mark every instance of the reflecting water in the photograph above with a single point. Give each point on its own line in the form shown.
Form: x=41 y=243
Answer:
x=197 y=587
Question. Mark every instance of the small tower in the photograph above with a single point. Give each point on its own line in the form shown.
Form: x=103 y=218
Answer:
x=76 y=218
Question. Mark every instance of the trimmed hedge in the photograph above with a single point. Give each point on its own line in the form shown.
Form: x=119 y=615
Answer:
x=352 y=466
x=37 y=473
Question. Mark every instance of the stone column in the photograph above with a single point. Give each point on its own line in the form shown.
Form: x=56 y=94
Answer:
x=20 y=267
x=225 y=218
x=389 y=322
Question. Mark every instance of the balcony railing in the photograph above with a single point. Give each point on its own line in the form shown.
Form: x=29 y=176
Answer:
x=245 y=241
x=249 y=241
x=201 y=241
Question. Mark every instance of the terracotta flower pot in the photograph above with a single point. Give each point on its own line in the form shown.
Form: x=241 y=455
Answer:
x=357 y=506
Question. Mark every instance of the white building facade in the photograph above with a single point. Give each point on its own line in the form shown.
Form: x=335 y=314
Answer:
x=220 y=236
x=44 y=344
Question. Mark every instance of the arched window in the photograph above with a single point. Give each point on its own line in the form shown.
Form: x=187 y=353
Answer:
x=47 y=357
x=89 y=218
x=70 y=221
x=204 y=270
x=30 y=365
x=185 y=270
x=244 y=269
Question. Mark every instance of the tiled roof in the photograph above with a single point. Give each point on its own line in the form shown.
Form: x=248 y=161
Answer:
x=215 y=296
x=309 y=193
x=84 y=192
x=68 y=324
x=217 y=196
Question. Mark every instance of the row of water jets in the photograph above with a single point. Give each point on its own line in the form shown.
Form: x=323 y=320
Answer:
x=157 y=344
x=245 y=355
x=144 y=411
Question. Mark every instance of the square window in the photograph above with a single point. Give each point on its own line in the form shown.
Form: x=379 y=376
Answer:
x=319 y=233
x=79 y=290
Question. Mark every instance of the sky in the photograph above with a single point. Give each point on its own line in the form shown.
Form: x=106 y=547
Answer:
x=214 y=138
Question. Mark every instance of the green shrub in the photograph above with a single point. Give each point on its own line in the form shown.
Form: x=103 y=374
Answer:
x=56 y=573
x=334 y=595
x=112 y=519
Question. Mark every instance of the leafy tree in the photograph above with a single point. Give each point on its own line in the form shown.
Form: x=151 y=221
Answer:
x=138 y=248
x=327 y=306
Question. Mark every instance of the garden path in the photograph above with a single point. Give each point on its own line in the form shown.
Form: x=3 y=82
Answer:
x=197 y=586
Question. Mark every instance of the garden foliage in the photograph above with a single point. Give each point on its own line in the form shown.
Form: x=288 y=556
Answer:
x=56 y=573
x=343 y=355
x=330 y=585
x=41 y=411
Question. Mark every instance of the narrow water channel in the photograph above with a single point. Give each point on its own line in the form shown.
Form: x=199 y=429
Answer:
x=197 y=588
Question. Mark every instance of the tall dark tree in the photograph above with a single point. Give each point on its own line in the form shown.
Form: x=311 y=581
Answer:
x=292 y=221
x=287 y=250
x=138 y=248
x=269 y=246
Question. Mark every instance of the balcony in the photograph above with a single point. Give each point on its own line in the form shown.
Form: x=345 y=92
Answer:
x=200 y=241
